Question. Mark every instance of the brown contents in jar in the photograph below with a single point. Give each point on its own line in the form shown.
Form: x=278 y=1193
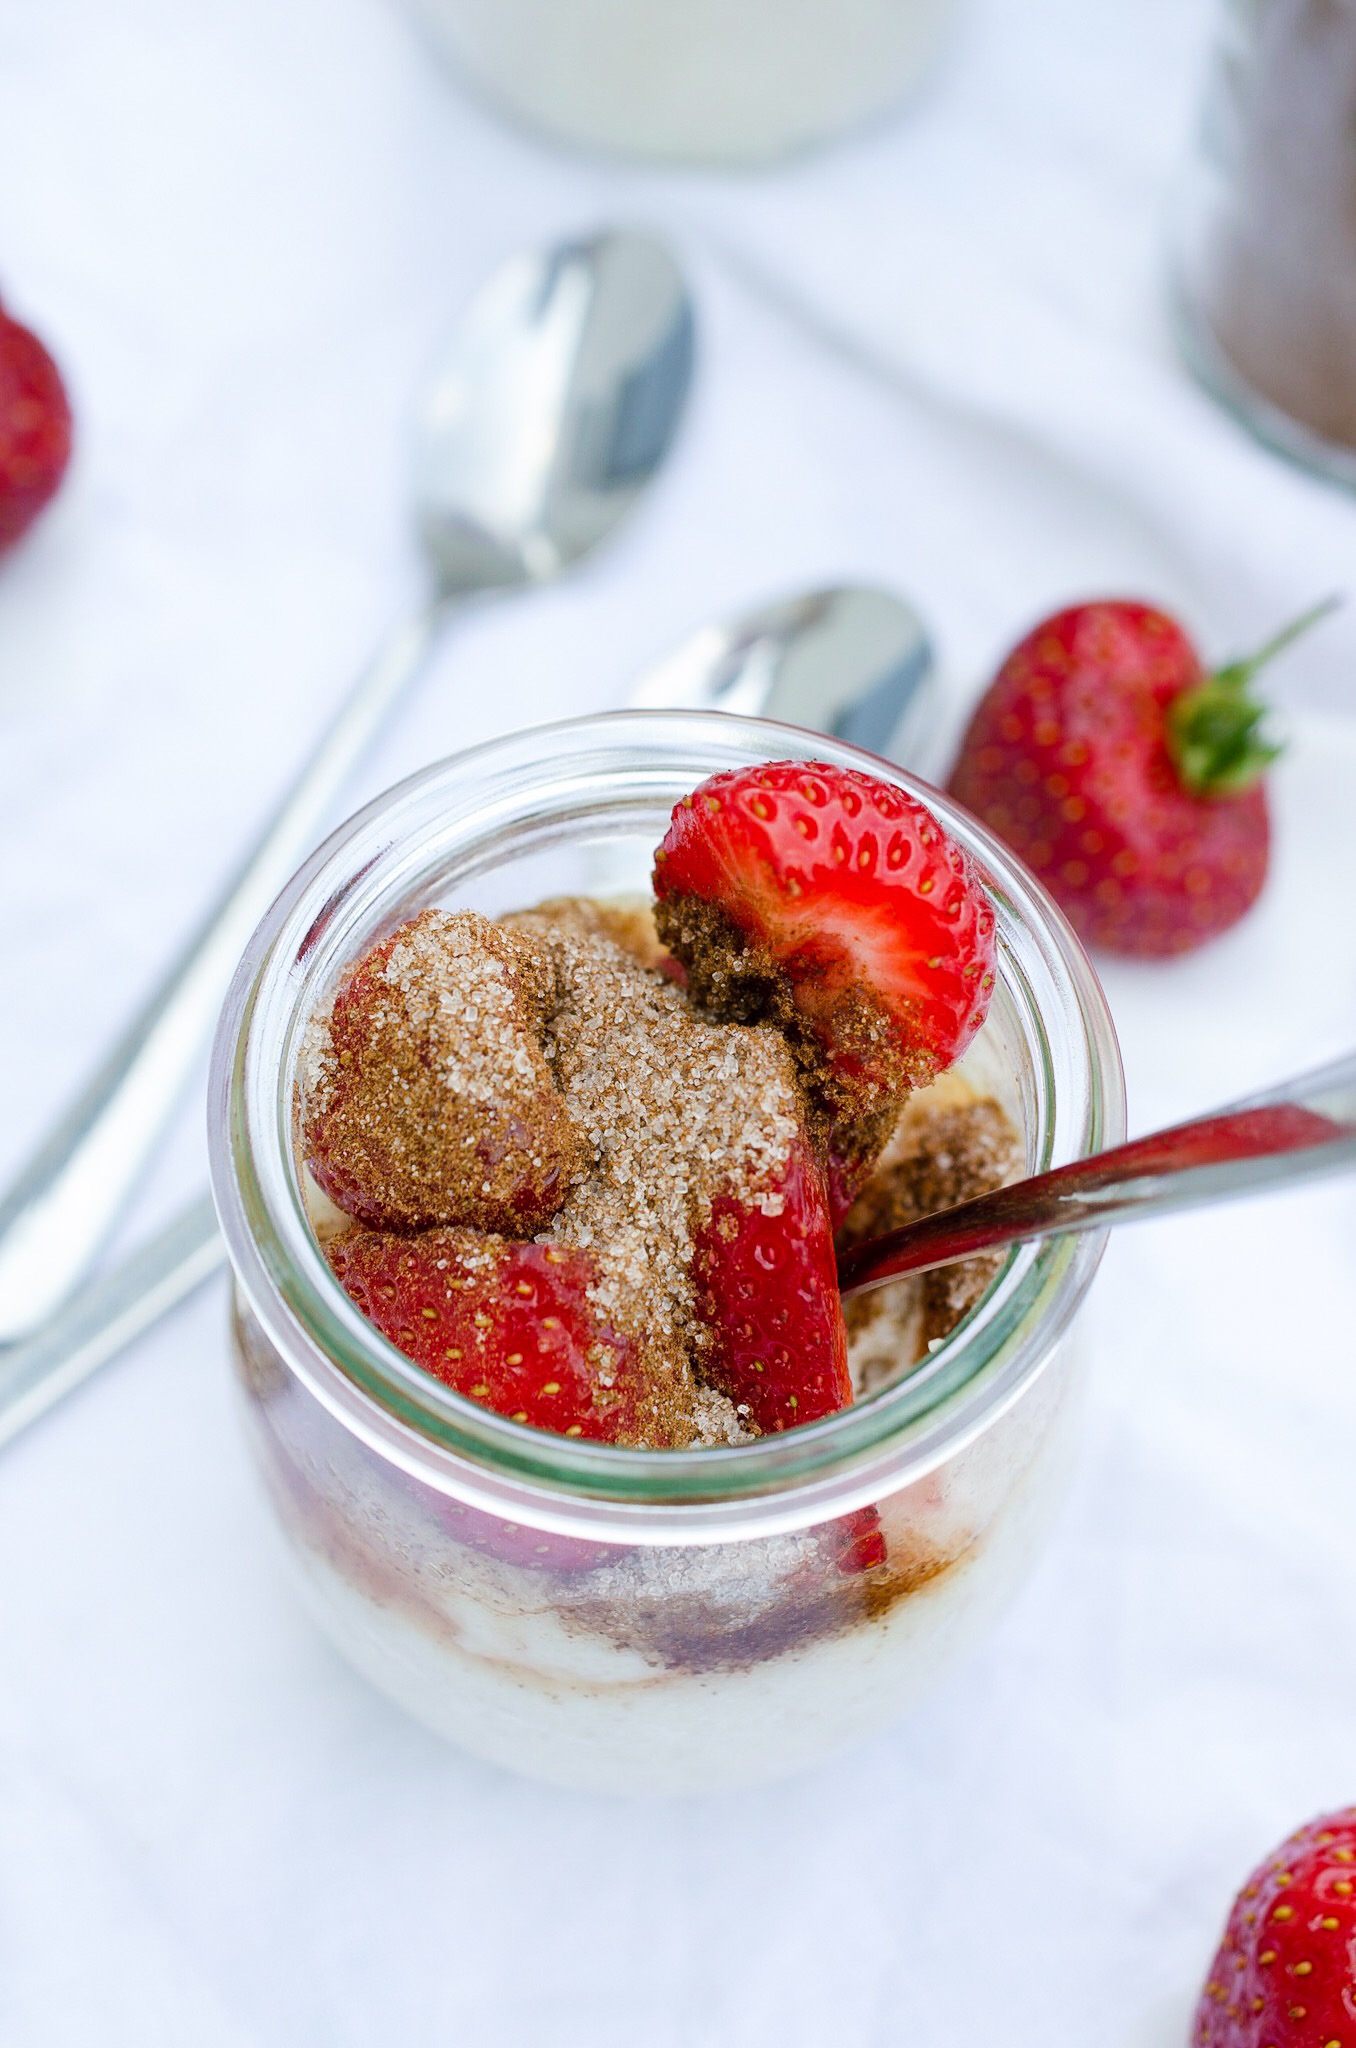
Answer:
x=1279 y=290
x=429 y=1098
x=948 y=1147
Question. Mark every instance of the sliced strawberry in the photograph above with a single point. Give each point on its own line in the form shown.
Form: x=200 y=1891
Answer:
x=433 y=1101
x=511 y=1325
x=767 y=1293
x=835 y=905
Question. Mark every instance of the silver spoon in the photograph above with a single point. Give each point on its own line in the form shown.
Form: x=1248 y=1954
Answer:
x=551 y=410
x=851 y=661
x=819 y=655
x=1298 y=1131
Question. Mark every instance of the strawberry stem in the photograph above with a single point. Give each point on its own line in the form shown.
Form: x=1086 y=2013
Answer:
x=1214 y=733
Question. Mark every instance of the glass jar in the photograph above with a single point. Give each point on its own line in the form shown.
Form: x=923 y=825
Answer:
x=609 y=1618
x=1266 y=257
x=697 y=81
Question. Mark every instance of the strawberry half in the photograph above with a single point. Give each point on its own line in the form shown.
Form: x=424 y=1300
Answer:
x=1285 y=1973
x=511 y=1325
x=835 y=906
x=431 y=1099
x=767 y=1294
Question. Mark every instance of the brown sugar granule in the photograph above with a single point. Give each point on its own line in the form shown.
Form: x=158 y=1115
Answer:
x=726 y=973
x=428 y=1097
x=627 y=920
x=949 y=1145
x=674 y=1109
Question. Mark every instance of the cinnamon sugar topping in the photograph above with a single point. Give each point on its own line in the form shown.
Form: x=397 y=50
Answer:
x=428 y=1098
x=541 y=1076
x=674 y=1109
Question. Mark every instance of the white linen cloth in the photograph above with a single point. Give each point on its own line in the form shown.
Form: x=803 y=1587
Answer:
x=938 y=356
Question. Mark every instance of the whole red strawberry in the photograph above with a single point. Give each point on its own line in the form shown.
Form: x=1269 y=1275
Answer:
x=35 y=429
x=1125 y=776
x=1285 y=1974
x=835 y=904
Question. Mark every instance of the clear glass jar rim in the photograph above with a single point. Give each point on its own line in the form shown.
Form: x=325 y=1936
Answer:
x=376 y=868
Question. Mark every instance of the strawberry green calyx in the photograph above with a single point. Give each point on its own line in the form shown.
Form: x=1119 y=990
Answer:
x=1214 y=738
x=1215 y=734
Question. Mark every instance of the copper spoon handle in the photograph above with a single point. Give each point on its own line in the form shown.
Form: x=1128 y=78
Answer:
x=1304 y=1128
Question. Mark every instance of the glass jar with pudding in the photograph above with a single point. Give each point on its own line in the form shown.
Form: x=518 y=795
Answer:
x=704 y=1590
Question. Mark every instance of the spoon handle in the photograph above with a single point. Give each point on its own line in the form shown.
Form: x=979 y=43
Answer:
x=106 y=1314
x=65 y=1201
x=1304 y=1128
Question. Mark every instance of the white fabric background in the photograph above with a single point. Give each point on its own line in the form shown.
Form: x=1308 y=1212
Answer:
x=938 y=356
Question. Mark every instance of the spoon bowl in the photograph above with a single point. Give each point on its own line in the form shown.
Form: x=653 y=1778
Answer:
x=553 y=405
x=849 y=660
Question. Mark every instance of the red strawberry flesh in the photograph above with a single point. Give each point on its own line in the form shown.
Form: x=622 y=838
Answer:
x=856 y=1542
x=767 y=1294
x=35 y=429
x=690 y=1291
x=508 y=1324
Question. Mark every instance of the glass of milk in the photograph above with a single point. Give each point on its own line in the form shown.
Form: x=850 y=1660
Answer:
x=696 y=81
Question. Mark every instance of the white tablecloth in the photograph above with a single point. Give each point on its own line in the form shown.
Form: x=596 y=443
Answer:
x=937 y=356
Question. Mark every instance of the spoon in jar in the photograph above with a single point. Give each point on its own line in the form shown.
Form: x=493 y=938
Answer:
x=552 y=408
x=1298 y=1131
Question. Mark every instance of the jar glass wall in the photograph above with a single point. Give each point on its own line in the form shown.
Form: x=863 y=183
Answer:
x=620 y=1619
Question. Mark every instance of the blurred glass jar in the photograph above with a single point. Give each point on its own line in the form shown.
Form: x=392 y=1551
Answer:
x=641 y=1620
x=698 y=81
x=1266 y=263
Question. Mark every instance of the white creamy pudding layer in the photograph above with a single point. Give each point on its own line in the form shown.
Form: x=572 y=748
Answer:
x=664 y=1669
